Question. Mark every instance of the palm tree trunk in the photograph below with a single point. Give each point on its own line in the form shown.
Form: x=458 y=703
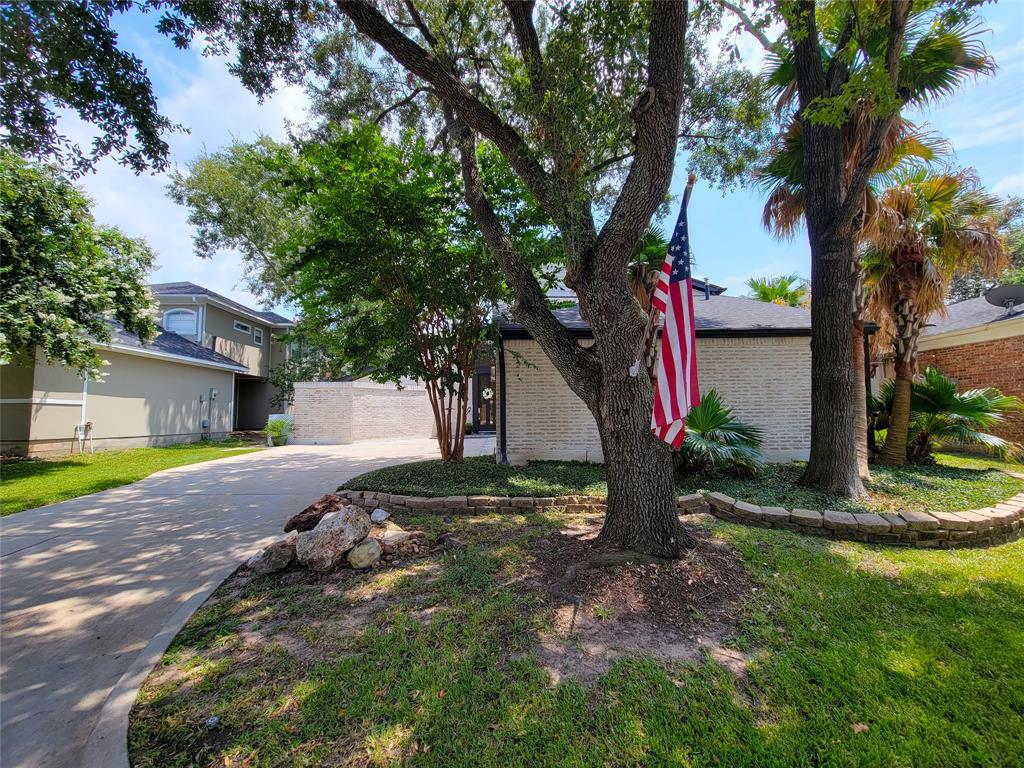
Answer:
x=860 y=399
x=895 y=449
x=908 y=328
x=860 y=393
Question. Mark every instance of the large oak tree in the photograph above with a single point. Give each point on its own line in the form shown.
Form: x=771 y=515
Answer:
x=588 y=104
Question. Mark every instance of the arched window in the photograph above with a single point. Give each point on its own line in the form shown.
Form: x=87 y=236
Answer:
x=180 y=321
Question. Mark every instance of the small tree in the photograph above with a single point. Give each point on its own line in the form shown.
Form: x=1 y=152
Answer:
x=62 y=277
x=387 y=268
x=785 y=290
x=931 y=225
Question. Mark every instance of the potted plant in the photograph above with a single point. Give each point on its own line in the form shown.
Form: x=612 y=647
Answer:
x=277 y=431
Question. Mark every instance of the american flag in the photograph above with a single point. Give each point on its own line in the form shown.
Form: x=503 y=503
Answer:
x=676 y=389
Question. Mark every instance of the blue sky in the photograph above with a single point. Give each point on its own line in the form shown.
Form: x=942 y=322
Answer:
x=984 y=122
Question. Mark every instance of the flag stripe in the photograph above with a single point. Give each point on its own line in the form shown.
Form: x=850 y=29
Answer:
x=676 y=388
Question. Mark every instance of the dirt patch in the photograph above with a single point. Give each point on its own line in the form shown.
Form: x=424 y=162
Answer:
x=681 y=610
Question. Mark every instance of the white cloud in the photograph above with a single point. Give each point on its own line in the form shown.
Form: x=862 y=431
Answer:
x=1009 y=186
x=216 y=109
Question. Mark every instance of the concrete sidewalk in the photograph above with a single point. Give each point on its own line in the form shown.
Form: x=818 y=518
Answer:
x=86 y=584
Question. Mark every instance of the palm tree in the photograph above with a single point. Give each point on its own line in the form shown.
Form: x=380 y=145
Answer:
x=715 y=439
x=929 y=226
x=784 y=290
x=941 y=51
x=942 y=415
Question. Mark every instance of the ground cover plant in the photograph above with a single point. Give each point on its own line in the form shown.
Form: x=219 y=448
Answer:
x=29 y=483
x=953 y=483
x=770 y=649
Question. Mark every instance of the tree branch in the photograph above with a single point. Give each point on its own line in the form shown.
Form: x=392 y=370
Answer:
x=477 y=115
x=656 y=127
x=749 y=25
x=900 y=11
x=626 y=155
x=576 y=364
x=400 y=103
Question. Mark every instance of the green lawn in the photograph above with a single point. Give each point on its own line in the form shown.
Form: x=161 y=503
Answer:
x=955 y=483
x=29 y=483
x=856 y=656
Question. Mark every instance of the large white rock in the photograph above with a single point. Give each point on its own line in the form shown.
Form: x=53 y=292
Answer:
x=379 y=515
x=323 y=548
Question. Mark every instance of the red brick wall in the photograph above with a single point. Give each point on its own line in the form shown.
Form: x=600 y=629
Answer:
x=997 y=364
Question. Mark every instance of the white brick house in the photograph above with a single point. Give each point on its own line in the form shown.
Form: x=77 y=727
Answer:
x=757 y=355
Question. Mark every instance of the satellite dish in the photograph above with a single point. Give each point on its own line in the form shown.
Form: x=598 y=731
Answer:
x=1007 y=296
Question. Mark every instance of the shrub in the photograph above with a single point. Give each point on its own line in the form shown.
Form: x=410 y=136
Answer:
x=940 y=415
x=716 y=440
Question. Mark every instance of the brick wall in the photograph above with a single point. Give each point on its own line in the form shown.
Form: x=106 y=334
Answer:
x=383 y=410
x=323 y=413
x=329 y=413
x=766 y=381
x=998 y=363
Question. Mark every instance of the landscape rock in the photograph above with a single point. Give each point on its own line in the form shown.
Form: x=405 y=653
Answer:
x=323 y=548
x=379 y=515
x=275 y=557
x=310 y=517
x=365 y=554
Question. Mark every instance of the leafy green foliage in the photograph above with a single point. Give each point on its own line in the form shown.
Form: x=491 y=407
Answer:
x=63 y=277
x=716 y=440
x=385 y=266
x=278 y=428
x=785 y=290
x=59 y=54
x=941 y=415
x=234 y=205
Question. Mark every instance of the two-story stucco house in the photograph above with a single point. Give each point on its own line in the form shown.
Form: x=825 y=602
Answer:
x=204 y=375
x=247 y=336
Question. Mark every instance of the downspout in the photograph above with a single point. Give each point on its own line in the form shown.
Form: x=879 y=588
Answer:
x=502 y=442
x=85 y=400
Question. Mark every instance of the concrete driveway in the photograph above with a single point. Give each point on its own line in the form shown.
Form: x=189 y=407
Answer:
x=92 y=589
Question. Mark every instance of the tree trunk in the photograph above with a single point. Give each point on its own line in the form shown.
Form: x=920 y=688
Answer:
x=908 y=328
x=833 y=464
x=895 y=449
x=860 y=392
x=860 y=400
x=642 y=513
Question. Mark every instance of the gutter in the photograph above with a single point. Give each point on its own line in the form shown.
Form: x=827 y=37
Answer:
x=205 y=299
x=515 y=333
x=142 y=352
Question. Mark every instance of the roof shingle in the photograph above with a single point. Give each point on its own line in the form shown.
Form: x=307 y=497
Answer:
x=185 y=288
x=169 y=343
x=729 y=315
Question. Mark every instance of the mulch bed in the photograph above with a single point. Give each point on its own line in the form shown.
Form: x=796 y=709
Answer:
x=682 y=610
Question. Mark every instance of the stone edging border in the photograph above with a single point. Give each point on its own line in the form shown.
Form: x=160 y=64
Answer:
x=946 y=530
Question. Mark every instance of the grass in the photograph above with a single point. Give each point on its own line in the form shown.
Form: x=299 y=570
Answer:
x=482 y=476
x=30 y=483
x=954 y=483
x=858 y=656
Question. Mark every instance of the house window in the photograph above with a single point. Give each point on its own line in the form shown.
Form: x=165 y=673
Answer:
x=180 y=321
x=243 y=327
x=257 y=336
